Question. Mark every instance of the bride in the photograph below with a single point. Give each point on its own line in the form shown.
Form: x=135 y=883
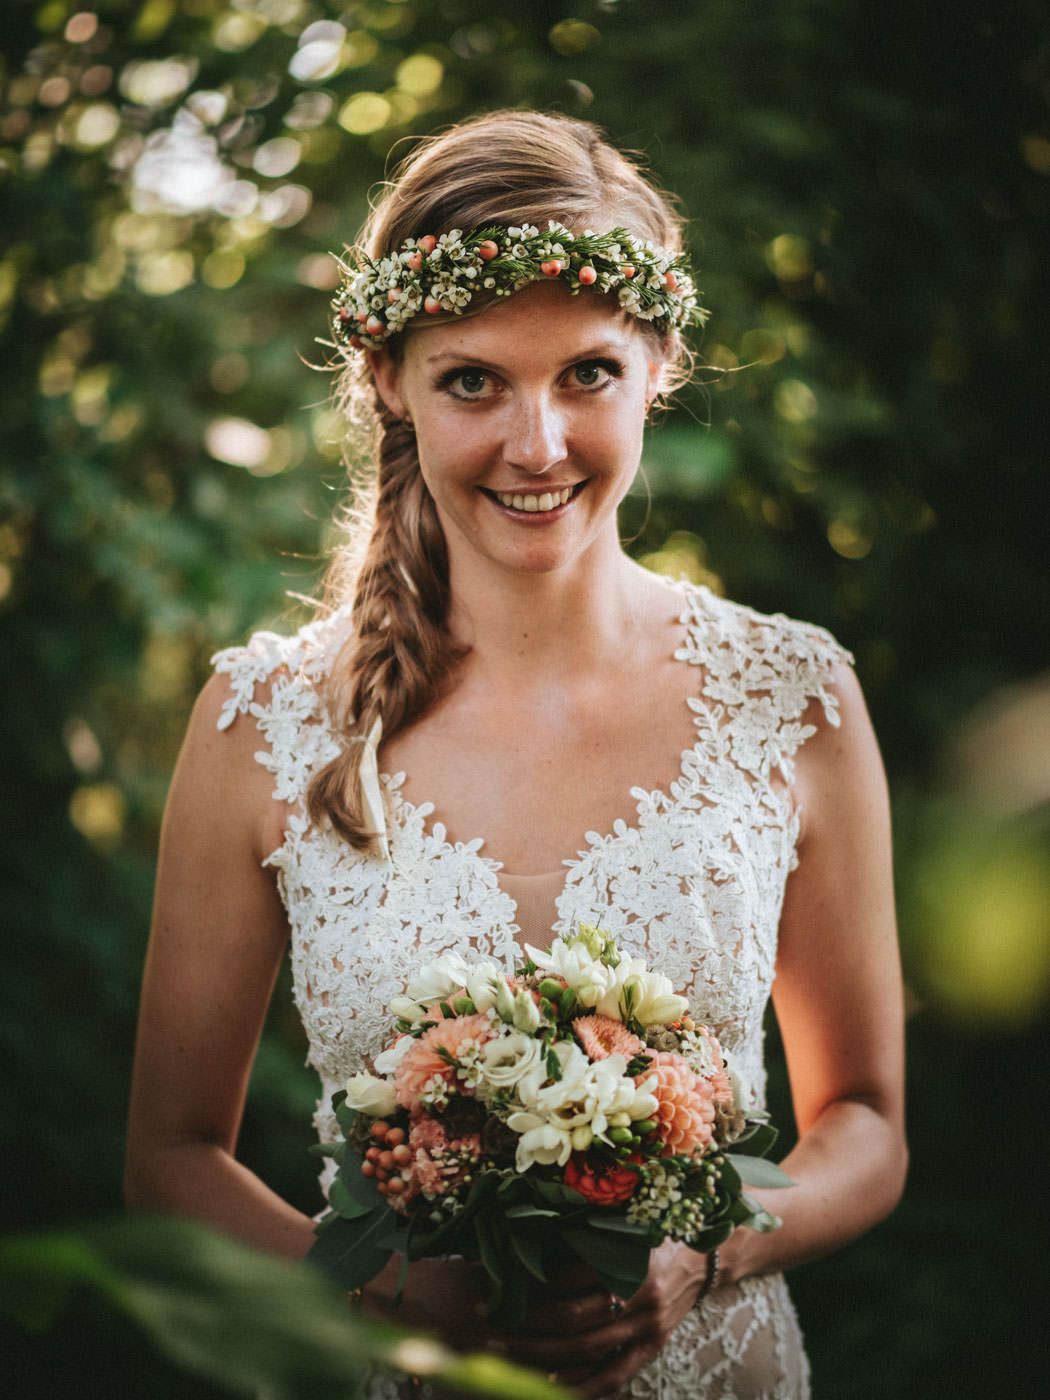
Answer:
x=499 y=726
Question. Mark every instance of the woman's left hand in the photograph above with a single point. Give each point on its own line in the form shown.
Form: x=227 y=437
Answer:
x=587 y=1343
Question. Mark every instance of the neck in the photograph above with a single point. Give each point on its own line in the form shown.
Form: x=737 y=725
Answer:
x=570 y=619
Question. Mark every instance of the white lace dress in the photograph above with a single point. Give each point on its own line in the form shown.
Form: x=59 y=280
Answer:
x=694 y=883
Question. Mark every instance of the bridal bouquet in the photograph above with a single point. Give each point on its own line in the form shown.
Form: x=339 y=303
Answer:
x=573 y=1109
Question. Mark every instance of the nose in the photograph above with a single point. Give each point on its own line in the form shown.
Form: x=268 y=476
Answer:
x=536 y=437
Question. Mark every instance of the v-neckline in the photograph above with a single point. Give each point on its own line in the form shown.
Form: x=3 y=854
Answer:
x=403 y=809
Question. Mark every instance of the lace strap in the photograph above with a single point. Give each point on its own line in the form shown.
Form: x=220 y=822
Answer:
x=761 y=673
x=291 y=718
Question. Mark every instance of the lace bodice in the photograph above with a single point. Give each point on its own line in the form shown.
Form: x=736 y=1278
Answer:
x=693 y=881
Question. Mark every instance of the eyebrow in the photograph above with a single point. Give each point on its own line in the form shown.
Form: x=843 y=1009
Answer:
x=591 y=352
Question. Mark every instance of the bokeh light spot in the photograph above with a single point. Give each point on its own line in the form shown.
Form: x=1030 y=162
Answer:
x=364 y=113
x=573 y=36
x=420 y=75
x=98 y=812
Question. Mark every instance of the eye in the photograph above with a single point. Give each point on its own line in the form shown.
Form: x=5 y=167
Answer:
x=468 y=383
x=596 y=374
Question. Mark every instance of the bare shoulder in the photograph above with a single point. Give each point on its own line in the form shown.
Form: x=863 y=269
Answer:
x=218 y=776
x=839 y=770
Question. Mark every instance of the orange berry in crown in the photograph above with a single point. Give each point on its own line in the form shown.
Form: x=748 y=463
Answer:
x=551 y=267
x=587 y=275
x=428 y=243
x=488 y=250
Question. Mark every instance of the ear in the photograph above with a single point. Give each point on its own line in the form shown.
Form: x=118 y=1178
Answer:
x=387 y=375
x=654 y=379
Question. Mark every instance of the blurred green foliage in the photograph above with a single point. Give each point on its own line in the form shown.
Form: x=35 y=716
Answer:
x=868 y=189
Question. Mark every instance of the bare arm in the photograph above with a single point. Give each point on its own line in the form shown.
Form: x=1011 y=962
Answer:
x=839 y=1002
x=217 y=938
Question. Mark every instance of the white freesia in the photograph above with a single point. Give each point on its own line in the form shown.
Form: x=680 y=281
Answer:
x=539 y=1142
x=370 y=1095
x=653 y=1000
x=589 y=978
x=588 y=1095
x=506 y=1059
x=388 y=1060
x=439 y=979
x=504 y=1002
x=483 y=982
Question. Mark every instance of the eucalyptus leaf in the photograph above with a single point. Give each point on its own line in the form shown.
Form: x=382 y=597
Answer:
x=347 y=1206
x=756 y=1171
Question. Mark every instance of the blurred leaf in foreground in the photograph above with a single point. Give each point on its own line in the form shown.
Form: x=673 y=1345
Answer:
x=243 y=1319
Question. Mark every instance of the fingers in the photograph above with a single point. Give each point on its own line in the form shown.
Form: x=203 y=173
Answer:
x=588 y=1348
x=567 y=1317
x=608 y=1379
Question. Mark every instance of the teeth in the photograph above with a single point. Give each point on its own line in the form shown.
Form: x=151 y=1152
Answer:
x=547 y=501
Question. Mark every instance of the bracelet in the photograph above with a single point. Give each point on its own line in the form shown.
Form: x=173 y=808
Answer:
x=710 y=1282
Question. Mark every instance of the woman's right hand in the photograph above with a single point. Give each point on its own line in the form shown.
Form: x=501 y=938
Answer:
x=447 y=1297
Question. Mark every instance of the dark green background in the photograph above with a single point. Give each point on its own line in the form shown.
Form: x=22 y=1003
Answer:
x=868 y=190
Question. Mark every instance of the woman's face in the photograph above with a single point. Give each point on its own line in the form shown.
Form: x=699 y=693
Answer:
x=529 y=420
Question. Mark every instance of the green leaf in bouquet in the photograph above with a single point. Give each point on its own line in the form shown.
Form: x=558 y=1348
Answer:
x=344 y=1114
x=557 y=1194
x=619 y=1261
x=360 y=1188
x=759 y=1139
x=758 y=1218
x=335 y=1150
x=351 y=1251
x=492 y=1255
x=347 y=1203
x=527 y=1247
x=757 y=1171
x=619 y=1225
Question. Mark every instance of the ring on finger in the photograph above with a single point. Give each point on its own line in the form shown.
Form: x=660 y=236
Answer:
x=616 y=1305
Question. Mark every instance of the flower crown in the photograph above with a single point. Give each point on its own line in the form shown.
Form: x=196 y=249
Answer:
x=440 y=275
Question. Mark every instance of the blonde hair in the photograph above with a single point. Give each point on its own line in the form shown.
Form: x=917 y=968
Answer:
x=508 y=167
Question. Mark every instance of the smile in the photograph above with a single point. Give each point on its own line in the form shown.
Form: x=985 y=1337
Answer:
x=533 y=503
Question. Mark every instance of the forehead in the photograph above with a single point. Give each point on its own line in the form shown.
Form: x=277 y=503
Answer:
x=544 y=320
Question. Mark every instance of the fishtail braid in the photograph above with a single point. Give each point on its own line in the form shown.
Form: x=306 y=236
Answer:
x=398 y=654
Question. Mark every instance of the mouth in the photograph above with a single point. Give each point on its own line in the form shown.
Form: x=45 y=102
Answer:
x=535 y=503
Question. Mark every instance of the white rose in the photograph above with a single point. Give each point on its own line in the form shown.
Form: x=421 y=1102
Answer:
x=370 y=1095
x=507 y=1058
x=388 y=1060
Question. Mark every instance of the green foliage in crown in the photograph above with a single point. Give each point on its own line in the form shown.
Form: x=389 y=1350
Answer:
x=439 y=275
